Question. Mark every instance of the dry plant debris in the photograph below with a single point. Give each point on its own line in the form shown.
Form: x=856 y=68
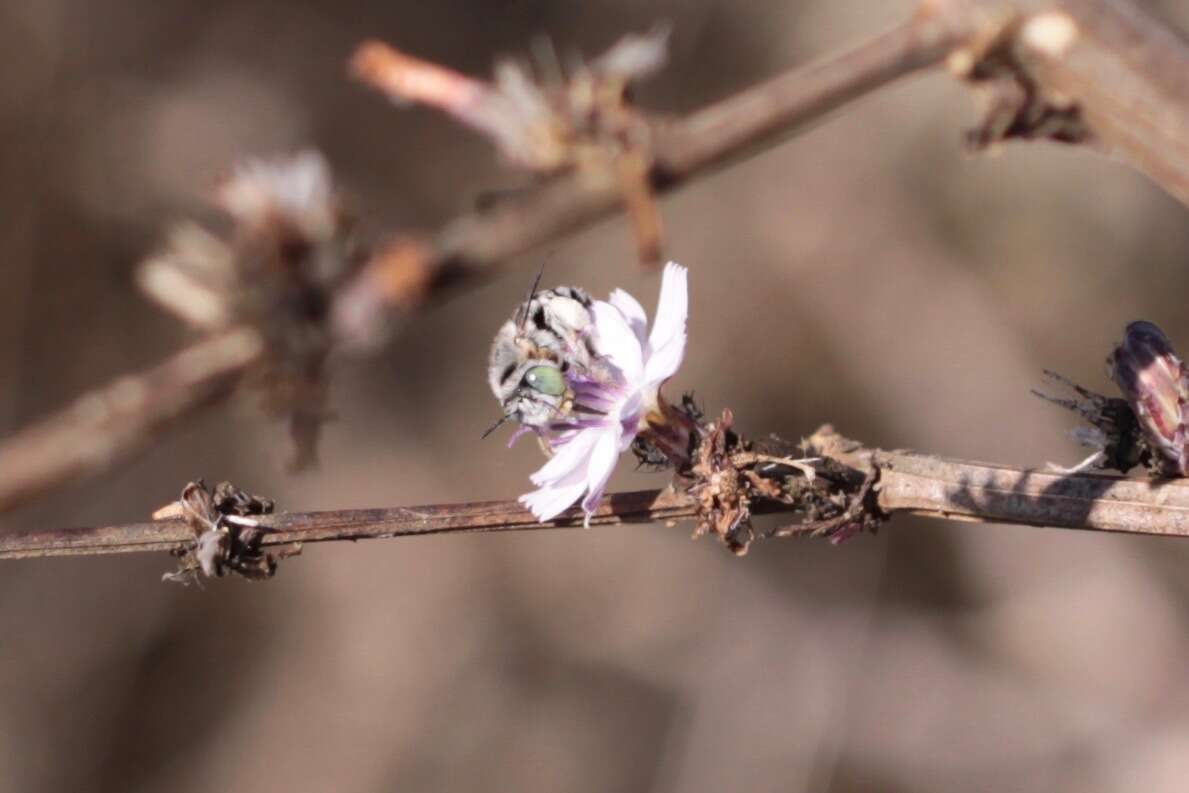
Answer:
x=734 y=479
x=226 y=535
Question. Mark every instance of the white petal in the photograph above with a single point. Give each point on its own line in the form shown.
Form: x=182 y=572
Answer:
x=665 y=362
x=630 y=413
x=570 y=458
x=602 y=463
x=555 y=496
x=549 y=502
x=672 y=307
x=667 y=343
x=632 y=311
x=615 y=340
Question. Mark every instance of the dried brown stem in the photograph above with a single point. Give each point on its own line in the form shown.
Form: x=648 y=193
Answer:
x=937 y=487
x=352 y=524
x=907 y=482
x=123 y=416
x=761 y=115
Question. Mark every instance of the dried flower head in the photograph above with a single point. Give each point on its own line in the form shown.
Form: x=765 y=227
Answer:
x=227 y=536
x=1154 y=382
x=544 y=120
x=289 y=250
x=1147 y=426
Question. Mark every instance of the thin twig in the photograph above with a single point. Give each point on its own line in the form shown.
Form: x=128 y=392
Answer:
x=766 y=113
x=907 y=482
x=352 y=524
x=122 y=417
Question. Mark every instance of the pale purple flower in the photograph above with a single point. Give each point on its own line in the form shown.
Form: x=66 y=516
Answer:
x=614 y=397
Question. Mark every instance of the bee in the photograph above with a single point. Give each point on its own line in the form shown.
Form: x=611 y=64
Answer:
x=547 y=337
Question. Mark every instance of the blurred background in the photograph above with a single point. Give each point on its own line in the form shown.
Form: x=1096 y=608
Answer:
x=867 y=273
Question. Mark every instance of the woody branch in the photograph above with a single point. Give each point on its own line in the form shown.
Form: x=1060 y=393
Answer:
x=905 y=483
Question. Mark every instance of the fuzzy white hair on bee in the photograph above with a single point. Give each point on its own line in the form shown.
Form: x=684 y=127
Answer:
x=546 y=338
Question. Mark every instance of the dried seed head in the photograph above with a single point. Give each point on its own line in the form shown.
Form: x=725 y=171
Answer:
x=539 y=118
x=288 y=253
x=544 y=120
x=227 y=537
x=1154 y=382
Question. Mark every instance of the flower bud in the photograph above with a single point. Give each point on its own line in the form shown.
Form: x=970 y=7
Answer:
x=1153 y=381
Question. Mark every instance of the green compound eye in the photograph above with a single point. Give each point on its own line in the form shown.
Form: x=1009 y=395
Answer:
x=546 y=379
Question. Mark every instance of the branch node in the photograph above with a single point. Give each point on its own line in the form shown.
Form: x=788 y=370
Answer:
x=1014 y=104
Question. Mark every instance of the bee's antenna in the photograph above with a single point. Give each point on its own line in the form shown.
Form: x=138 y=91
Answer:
x=531 y=294
x=494 y=427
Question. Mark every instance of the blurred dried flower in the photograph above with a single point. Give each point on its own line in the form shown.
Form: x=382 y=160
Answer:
x=295 y=195
x=545 y=121
x=288 y=252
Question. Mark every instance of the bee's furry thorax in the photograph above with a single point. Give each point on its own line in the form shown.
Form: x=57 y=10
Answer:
x=550 y=329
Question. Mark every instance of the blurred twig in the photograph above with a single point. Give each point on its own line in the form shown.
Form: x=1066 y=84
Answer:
x=906 y=482
x=123 y=416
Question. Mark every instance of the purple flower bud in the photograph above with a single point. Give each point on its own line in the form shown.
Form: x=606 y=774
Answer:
x=1153 y=381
